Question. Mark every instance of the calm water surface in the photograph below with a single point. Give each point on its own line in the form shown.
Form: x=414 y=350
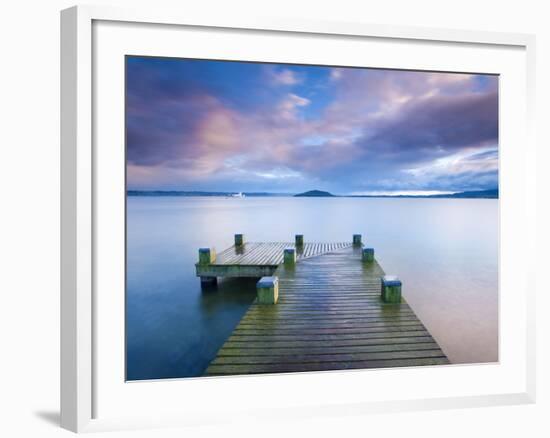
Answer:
x=444 y=250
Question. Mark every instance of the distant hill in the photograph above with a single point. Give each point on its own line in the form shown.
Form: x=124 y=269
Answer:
x=493 y=193
x=315 y=194
x=479 y=194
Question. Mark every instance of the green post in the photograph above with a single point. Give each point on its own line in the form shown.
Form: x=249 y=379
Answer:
x=391 y=289
x=289 y=256
x=368 y=255
x=268 y=290
x=357 y=240
x=207 y=256
x=239 y=239
x=299 y=240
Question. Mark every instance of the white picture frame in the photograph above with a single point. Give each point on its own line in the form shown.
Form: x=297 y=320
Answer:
x=80 y=170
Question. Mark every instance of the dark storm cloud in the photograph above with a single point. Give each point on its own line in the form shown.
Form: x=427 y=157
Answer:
x=444 y=122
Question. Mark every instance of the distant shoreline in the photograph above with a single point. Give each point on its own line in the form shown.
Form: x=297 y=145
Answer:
x=481 y=194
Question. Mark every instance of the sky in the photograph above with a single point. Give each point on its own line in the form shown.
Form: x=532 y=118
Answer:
x=258 y=127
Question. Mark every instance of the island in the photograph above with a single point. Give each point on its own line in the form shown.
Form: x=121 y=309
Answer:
x=315 y=194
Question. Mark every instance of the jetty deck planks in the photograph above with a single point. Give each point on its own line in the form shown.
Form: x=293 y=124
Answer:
x=329 y=317
x=258 y=259
x=271 y=253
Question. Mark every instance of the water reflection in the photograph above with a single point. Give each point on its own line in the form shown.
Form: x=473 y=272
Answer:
x=228 y=293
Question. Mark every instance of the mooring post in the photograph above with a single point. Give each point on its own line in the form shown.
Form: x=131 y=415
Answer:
x=239 y=239
x=368 y=255
x=207 y=256
x=391 y=289
x=299 y=240
x=289 y=256
x=268 y=290
x=357 y=240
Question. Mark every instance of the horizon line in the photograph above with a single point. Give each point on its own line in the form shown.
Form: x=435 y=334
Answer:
x=374 y=193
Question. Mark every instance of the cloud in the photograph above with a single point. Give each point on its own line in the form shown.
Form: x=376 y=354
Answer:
x=472 y=168
x=335 y=74
x=278 y=173
x=213 y=126
x=441 y=122
x=284 y=77
x=460 y=163
x=289 y=105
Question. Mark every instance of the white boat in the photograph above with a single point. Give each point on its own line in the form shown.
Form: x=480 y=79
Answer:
x=238 y=195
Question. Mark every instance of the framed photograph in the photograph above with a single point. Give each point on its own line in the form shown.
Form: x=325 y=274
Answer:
x=291 y=218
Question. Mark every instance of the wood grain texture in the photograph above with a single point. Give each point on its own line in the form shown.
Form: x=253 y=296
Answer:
x=271 y=253
x=329 y=317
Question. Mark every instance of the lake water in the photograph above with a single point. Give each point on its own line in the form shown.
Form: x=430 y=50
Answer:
x=445 y=251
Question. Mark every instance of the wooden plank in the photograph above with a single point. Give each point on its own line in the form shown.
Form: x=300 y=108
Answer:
x=319 y=324
x=332 y=311
x=332 y=338
x=347 y=312
x=340 y=343
x=301 y=359
x=269 y=350
x=254 y=271
x=330 y=331
x=290 y=307
x=333 y=320
x=214 y=370
x=276 y=326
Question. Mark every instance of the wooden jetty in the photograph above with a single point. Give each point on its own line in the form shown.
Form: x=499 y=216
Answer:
x=255 y=259
x=335 y=309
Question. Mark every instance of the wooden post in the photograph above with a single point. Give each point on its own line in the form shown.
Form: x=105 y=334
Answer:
x=299 y=240
x=239 y=239
x=268 y=290
x=391 y=289
x=207 y=256
x=368 y=255
x=209 y=281
x=289 y=256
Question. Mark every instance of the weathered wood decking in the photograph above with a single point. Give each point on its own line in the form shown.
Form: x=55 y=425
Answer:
x=329 y=317
x=255 y=259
